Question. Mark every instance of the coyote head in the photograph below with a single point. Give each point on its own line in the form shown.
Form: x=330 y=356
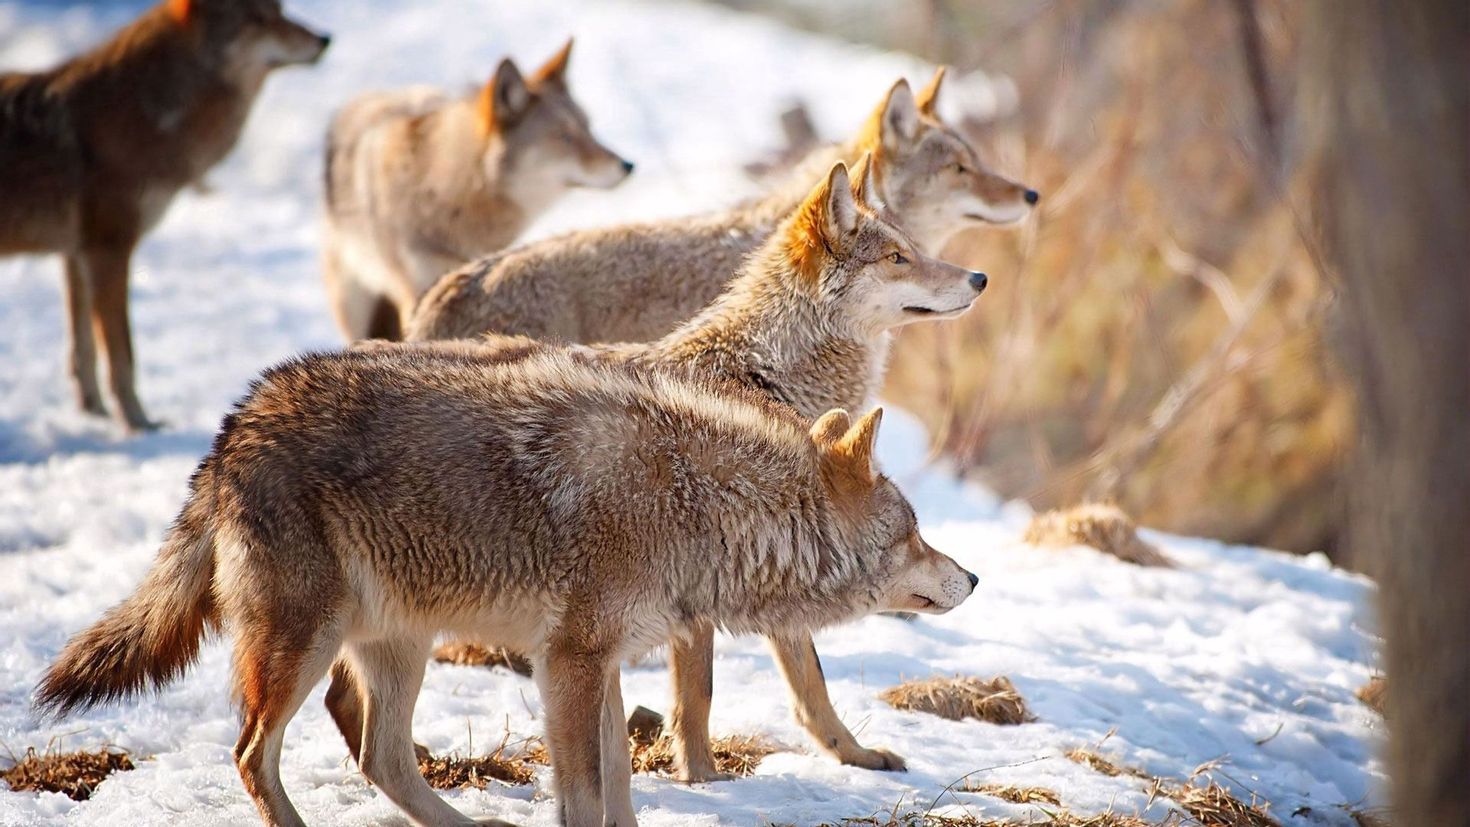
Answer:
x=538 y=138
x=929 y=176
x=254 y=36
x=864 y=268
x=909 y=575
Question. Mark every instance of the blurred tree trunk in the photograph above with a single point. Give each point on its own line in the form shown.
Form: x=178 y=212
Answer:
x=1386 y=92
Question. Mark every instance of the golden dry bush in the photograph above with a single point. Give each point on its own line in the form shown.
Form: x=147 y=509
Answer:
x=1211 y=805
x=1374 y=693
x=734 y=754
x=473 y=654
x=1014 y=794
x=1061 y=818
x=1097 y=763
x=995 y=701
x=76 y=774
x=454 y=771
x=1103 y=527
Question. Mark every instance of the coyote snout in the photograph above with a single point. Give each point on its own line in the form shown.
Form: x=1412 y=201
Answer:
x=932 y=582
x=261 y=35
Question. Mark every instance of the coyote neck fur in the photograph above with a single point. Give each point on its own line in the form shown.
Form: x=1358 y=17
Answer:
x=775 y=336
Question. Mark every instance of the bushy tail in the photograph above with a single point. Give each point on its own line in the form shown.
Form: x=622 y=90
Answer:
x=149 y=639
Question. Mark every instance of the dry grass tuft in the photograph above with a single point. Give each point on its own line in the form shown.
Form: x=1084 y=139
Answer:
x=76 y=774
x=924 y=819
x=1374 y=693
x=454 y=772
x=1095 y=762
x=735 y=754
x=1212 y=805
x=1375 y=817
x=957 y=698
x=473 y=654
x=1104 y=527
x=1014 y=794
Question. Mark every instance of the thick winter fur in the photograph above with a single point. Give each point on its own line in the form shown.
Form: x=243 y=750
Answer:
x=806 y=323
x=359 y=504
x=418 y=183
x=636 y=282
x=93 y=151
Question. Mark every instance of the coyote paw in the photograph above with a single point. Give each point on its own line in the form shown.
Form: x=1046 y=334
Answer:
x=876 y=759
x=702 y=776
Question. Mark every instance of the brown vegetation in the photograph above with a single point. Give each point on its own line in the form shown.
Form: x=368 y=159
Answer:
x=1104 y=527
x=995 y=701
x=734 y=754
x=473 y=654
x=1013 y=793
x=76 y=774
x=1374 y=693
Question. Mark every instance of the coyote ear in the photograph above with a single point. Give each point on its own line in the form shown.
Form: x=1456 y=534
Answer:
x=898 y=117
x=821 y=224
x=865 y=183
x=505 y=98
x=928 y=98
x=842 y=211
x=180 y=10
x=830 y=427
x=555 y=69
x=858 y=444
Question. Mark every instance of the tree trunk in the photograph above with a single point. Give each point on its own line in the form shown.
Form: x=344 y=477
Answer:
x=1385 y=103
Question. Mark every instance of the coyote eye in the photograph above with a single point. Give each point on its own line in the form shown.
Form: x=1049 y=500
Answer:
x=897 y=258
x=960 y=168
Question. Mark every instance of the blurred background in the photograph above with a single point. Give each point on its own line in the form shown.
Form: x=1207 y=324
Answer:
x=1155 y=334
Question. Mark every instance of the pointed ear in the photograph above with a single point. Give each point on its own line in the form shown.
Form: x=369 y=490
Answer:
x=180 y=10
x=865 y=183
x=928 y=98
x=858 y=444
x=830 y=427
x=842 y=211
x=898 y=117
x=504 y=99
x=555 y=69
x=820 y=225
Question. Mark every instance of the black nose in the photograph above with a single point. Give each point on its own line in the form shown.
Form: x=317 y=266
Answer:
x=627 y=166
x=1032 y=196
x=326 y=40
x=974 y=580
x=978 y=281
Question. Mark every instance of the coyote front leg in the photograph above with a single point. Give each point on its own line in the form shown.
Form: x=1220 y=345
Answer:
x=797 y=657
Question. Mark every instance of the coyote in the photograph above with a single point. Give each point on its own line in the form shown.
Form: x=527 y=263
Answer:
x=805 y=323
x=635 y=283
x=418 y=183
x=93 y=151
x=357 y=504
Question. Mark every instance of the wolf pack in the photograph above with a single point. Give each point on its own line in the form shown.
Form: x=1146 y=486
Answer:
x=579 y=449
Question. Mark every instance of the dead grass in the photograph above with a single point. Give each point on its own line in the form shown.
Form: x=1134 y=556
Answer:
x=1060 y=818
x=75 y=774
x=1214 y=806
x=1374 y=693
x=1103 y=527
x=509 y=765
x=735 y=754
x=1097 y=763
x=957 y=698
x=1014 y=794
x=473 y=654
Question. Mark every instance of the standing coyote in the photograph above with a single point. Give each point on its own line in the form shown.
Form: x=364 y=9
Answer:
x=418 y=183
x=805 y=323
x=635 y=283
x=93 y=151
x=359 y=503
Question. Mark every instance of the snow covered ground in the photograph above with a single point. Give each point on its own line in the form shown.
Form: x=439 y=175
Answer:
x=1239 y=654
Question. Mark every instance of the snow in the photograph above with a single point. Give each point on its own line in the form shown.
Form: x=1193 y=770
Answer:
x=1239 y=654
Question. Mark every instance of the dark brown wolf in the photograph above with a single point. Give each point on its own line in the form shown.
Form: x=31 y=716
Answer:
x=93 y=151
